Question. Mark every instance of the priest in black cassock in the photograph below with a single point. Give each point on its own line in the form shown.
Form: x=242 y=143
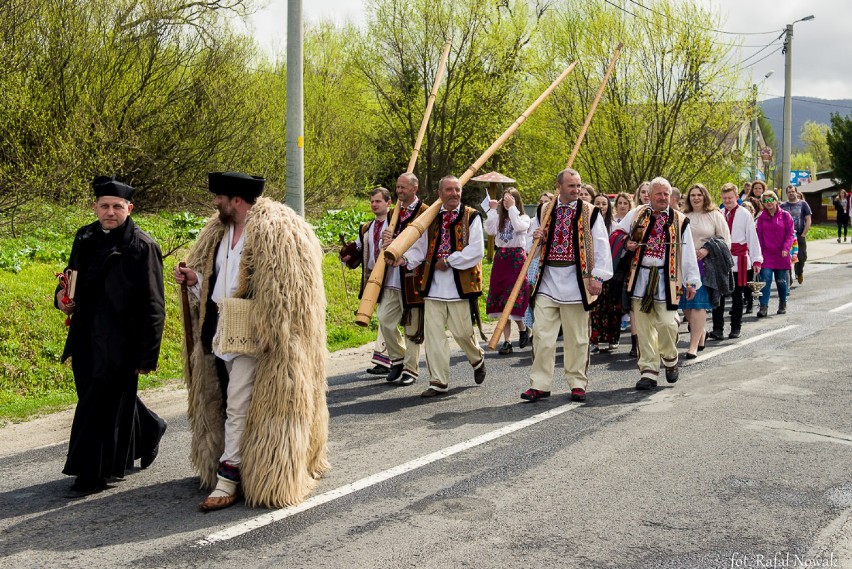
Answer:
x=116 y=325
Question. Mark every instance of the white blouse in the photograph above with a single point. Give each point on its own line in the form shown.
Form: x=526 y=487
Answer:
x=515 y=234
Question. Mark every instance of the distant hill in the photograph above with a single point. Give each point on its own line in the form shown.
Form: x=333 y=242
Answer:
x=804 y=109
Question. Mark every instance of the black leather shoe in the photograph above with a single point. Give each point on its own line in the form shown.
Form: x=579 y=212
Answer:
x=85 y=486
x=646 y=383
x=734 y=334
x=505 y=349
x=395 y=372
x=378 y=369
x=691 y=356
x=714 y=335
x=149 y=457
x=524 y=338
x=479 y=373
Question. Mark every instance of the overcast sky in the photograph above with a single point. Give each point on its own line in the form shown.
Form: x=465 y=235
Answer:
x=822 y=48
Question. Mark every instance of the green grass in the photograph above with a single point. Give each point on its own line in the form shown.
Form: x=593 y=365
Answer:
x=823 y=231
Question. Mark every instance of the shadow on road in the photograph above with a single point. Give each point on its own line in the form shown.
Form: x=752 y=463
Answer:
x=112 y=517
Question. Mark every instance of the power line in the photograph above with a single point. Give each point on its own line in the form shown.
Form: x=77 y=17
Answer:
x=635 y=15
x=821 y=103
x=767 y=46
x=807 y=100
x=702 y=28
x=771 y=53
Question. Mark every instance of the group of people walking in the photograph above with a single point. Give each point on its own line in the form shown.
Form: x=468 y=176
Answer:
x=254 y=310
x=648 y=258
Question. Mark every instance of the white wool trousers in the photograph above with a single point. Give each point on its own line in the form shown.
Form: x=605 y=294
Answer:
x=574 y=319
x=241 y=371
x=440 y=315
x=399 y=349
x=657 y=335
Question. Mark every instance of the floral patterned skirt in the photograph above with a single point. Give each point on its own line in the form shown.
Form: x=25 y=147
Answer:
x=606 y=318
x=508 y=262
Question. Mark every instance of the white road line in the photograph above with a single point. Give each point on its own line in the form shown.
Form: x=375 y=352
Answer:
x=840 y=308
x=726 y=349
x=268 y=518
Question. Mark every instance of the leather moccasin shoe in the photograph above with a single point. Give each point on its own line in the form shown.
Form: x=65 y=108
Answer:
x=211 y=503
x=408 y=378
x=433 y=393
x=646 y=383
x=534 y=394
x=479 y=374
x=395 y=372
x=673 y=373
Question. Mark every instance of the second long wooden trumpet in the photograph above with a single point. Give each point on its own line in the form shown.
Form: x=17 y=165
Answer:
x=412 y=233
x=545 y=214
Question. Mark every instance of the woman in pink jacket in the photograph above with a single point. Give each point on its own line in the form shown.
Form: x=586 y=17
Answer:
x=775 y=233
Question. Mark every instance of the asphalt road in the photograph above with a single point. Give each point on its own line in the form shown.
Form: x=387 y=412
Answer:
x=745 y=462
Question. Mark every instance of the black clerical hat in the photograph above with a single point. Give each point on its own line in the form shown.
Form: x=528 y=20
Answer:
x=236 y=184
x=109 y=186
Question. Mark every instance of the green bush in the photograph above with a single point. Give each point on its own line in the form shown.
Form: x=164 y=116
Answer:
x=335 y=223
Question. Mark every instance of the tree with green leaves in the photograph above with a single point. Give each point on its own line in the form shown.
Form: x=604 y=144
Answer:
x=840 y=147
x=672 y=106
x=155 y=91
x=814 y=136
x=483 y=89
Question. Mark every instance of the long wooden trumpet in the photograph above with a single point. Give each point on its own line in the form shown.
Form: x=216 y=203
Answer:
x=545 y=214
x=412 y=233
x=377 y=276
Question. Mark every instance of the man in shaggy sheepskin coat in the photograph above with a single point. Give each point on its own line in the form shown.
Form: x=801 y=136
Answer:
x=259 y=421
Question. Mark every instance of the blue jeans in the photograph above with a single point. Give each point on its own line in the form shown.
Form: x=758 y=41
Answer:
x=781 y=279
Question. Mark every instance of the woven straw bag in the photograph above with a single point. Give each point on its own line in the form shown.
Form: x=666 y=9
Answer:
x=235 y=333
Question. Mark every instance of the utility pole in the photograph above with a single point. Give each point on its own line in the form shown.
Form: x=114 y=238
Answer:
x=295 y=144
x=754 y=132
x=788 y=102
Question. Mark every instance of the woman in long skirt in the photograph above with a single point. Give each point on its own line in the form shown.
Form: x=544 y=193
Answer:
x=507 y=222
x=607 y=312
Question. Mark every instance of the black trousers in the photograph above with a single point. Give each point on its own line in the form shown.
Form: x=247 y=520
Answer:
x=736 y=311
x=803 y=254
